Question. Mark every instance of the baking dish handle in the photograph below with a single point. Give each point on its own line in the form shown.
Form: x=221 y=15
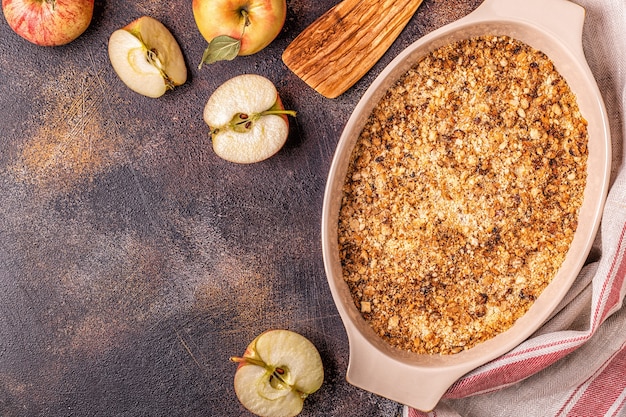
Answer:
x=561 y=18
x=372 y=370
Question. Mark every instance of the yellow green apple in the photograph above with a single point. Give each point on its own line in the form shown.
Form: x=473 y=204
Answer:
x=276 y=373
x=247 y=120
x=237 y=27
x=147 y=58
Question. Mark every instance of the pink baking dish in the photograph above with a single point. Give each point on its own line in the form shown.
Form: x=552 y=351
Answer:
x=419 y=381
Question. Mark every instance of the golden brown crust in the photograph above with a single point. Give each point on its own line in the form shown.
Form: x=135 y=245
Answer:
x=462 y=195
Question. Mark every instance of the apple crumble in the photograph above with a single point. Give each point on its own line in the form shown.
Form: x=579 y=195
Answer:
x=462 y=195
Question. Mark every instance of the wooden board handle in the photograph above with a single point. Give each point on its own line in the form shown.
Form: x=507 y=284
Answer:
x=336 y=50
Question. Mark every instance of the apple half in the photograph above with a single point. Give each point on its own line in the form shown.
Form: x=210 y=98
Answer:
x=147 y=58
x=247 y=120
x=278 y=370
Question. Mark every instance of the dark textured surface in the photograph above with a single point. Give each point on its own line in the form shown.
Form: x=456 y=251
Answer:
x=133 y=261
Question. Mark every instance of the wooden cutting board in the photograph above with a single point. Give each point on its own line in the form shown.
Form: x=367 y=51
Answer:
x=336 y=50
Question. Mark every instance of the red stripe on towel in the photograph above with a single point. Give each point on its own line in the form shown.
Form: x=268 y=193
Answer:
x=603 y=393
x=505 y=375
x=618 y=272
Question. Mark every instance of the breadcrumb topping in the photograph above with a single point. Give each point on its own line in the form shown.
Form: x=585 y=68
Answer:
x=462 y=195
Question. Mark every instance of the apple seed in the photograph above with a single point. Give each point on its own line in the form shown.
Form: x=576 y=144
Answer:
x=276 y=375
x=243 y=122
x=152 y=57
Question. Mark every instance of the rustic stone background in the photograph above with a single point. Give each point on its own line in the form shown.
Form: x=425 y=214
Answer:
x=133 y=261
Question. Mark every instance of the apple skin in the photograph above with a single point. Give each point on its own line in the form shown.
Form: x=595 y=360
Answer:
x=48 y=22
x=224 y=17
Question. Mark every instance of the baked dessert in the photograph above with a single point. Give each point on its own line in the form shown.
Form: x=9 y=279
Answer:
x=462 y=195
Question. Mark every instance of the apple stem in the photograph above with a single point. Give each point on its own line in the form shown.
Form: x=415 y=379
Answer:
x=246 y=21
x=239 y=359
x=52 y=3
x=251 y=361
x=243 y=122
x=279 y=112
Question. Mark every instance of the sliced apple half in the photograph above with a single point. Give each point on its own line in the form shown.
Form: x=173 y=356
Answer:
x=278 y=370
x=247 y=120
x=147 y=58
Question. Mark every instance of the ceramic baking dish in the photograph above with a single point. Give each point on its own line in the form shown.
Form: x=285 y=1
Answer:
x=555 y=28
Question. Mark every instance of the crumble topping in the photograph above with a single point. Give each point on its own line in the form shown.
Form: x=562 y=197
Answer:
x=462 y=195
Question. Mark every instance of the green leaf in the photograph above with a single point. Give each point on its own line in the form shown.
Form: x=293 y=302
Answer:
x=221 y=48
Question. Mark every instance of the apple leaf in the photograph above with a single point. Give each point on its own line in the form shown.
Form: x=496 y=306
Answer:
x=221 y=48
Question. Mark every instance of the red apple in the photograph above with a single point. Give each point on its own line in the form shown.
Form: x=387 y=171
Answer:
x=48 y=22
x=238 y=27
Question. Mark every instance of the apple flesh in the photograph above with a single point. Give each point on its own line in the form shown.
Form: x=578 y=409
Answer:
x=238 y=27
x=48 y=22
x=247 y=120
x=147 y=58
x=278 y=370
